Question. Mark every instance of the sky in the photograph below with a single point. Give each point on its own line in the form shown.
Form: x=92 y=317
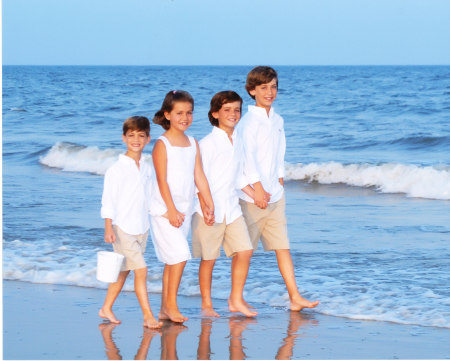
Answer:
x=233 y=32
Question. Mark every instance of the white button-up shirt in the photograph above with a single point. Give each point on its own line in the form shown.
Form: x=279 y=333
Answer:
x=222 y=162
x=126 y=195
x=264 y=144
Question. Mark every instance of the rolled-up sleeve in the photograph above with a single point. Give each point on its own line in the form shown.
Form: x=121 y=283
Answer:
x=281 y=152
x=107 y=210
x=250 y=165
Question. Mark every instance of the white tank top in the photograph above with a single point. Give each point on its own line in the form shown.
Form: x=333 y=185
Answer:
x=180 y=177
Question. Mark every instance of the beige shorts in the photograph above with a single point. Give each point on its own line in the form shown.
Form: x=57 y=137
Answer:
x=131 y=247
x=206 y=240
x=268 y=224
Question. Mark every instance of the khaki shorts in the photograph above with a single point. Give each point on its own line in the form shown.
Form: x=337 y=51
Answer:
x=131 y=247
x=206 y=240
x=268 y=224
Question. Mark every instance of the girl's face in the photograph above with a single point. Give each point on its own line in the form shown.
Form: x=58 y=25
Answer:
x=228 y=115
x=180 y=117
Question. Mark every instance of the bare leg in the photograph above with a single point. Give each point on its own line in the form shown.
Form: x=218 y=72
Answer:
x=169 y=309
x=205 y=280
x=140 y=287
x=162 y=315
x=239 y=271
x=287 y=271
x=111 y=295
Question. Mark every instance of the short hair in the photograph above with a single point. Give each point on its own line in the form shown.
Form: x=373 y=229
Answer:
x=260 y=75
x=172 y=97
x=218 y=100
x=137 y=122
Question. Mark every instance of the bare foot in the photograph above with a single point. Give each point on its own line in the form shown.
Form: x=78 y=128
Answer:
x=240 y=306
x=151 y=322
x=109 y=315
x=163 y=316
x=174 y=315
x=299 y=303
x=249 y=306
x=209 y=312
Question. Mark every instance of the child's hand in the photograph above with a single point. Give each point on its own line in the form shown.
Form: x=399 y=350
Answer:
x=110 y=237
x=267 y=197
x=175 y=218
x=208 y=216
x=260 y=198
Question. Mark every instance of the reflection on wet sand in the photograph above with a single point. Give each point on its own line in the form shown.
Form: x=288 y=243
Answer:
x=111 y=349
x=296 y=320
x=204 y=346
x=170 y=332
x=237 y=325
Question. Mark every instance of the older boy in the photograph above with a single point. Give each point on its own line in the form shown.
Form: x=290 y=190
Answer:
x=262 y=135
x=125 y=210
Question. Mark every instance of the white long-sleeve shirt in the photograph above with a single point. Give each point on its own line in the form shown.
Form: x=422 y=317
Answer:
x=222 y=162
x=264 y=145
x=126 y=195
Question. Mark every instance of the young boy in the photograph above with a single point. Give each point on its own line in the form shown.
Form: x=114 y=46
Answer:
x=262 y=134
x=125 y=210
x=221 y=159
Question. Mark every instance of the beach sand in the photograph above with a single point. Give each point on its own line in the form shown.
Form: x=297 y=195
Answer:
x=60 y=322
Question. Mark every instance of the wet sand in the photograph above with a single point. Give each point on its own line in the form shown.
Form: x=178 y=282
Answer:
x=61 y=322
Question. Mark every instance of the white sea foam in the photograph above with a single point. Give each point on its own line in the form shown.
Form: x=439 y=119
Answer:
x=77 y=158
x=431 y=182
x=352 y=296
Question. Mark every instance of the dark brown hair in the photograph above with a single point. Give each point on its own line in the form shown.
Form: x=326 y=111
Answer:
x=139 y=123
x=260 y=75
x=218 y=100
x=171 y=98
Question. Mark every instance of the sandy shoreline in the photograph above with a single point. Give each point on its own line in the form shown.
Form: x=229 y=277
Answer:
x=61 y=322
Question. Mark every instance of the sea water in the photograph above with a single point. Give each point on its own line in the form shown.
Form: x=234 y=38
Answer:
x=367 y=180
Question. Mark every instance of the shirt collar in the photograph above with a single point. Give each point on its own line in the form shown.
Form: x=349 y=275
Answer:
x=261 y=111
x=221 y=133
x=127 y=160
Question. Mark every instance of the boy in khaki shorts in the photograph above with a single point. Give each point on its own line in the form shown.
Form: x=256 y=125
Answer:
x=125 y=210
x=221 y=157
x=262 y=135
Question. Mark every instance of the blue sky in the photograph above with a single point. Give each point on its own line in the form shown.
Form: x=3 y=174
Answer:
x=233 y=32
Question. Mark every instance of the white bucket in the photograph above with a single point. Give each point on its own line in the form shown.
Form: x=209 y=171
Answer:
x=108 y=266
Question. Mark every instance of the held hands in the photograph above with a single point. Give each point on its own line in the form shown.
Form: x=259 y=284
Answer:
x=207 y=210
x=208 y=215
x=261 y=197
x=175 y=218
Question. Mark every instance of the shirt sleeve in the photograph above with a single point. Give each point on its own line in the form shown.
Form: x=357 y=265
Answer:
x=107 y=210
x=281 y=152
x=250 y=146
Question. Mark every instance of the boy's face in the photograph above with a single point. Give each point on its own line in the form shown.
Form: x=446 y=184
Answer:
x=265 y=94
x=136 y=140
x=228 y=115
x=180 y=117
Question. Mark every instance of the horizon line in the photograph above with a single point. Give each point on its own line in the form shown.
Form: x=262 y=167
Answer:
x=224 y=65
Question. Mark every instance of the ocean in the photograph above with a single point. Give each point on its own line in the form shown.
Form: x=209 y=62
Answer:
x=367 y=180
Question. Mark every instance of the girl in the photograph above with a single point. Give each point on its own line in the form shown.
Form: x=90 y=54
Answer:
x=178 y=166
